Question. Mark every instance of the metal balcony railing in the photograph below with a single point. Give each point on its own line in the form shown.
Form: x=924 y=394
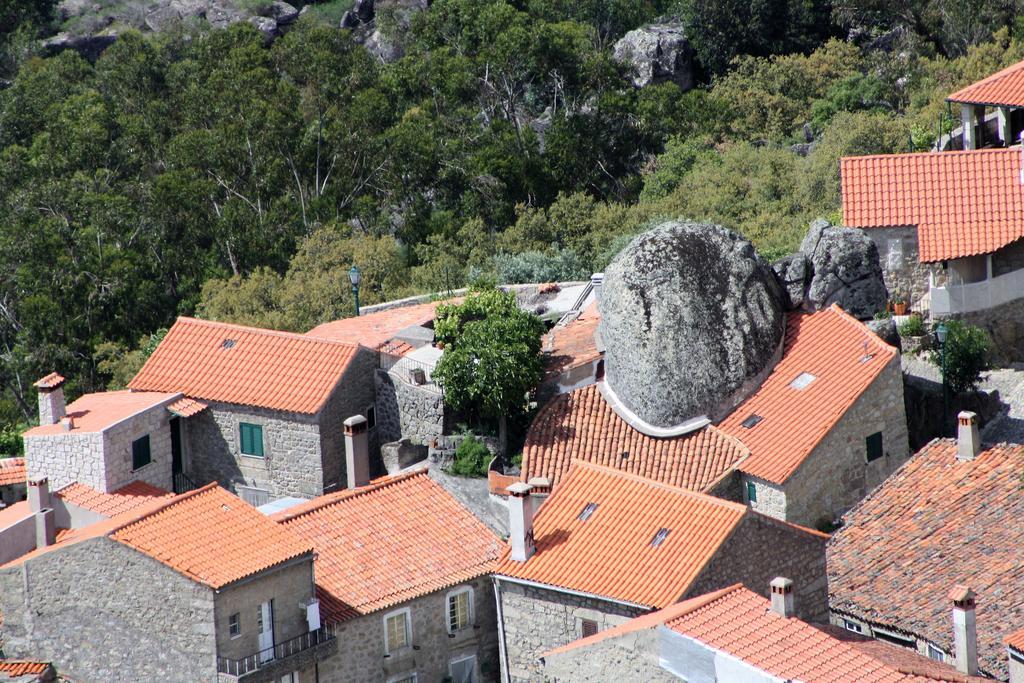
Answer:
x=270 y=655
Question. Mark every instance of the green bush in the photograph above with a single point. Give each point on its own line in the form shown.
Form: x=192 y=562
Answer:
x=558 y=265
x=471 y=458
x=10 y=440
x=966 y=355
x=913 y=326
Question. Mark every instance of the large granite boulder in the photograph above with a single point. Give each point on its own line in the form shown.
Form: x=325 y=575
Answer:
x=846 y=271
x=691 y=319
x=656 y=53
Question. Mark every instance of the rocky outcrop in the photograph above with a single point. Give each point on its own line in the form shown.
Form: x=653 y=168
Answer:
x=691 y=319
x=380 y=24
x=657 y=53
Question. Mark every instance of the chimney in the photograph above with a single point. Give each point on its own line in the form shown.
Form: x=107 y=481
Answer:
x=597 y=283
x=965 y=632
x=357 y=452
x=38 y=494
x=968 y=443
x=46 y=530
x=782 y=597
x=540 y=490
x=520 y=521
x=51 y=399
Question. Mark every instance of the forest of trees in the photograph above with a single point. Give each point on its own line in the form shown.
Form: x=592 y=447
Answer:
x=210 y=173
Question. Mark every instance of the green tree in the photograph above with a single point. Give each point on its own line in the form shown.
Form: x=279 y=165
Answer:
x=491 y=356
x=967 y=355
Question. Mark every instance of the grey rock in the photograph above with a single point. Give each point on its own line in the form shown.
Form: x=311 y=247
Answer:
x=364 y=10
x=348 y=19
x=885 y=329
x=283 y=13
x=794 y=273
x=657 y=53
x=691 y=319
x=266 y=26
x=846 y=270
x=88 y=46
x=383 y=48
x=162 y=18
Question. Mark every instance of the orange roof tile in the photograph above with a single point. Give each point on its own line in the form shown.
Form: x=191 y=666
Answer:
x=14 y=513
x=102 y=410
x=187 y=407
x=1016 y=640
x=1005 y=88
x=843 y=356
x=580 y=425
x=396 y=539
x=923 y=669
x=245 y=365
x=573 y=344
x=935 y=523
x=51 y=381
x=962 y=203
x=610 y=554
x=375 y=329
x=22 y=667
x=12 y=471
x=125 y=499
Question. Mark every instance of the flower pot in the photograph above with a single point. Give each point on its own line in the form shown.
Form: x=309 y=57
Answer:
x=899 y=309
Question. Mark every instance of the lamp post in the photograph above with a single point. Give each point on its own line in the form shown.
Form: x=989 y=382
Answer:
x=354 y=277
x=941 y=334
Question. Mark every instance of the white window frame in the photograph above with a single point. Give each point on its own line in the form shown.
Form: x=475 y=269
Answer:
x=407 y=676
x=408 y=629
x=238 y=622
x=455 y=660
x=471 y=617
x=852 y=626
x=933 y=649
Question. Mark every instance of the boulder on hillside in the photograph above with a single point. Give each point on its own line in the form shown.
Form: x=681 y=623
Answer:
x=657 y=53
x=691 y=319
x=380 y=25
x=845 y=270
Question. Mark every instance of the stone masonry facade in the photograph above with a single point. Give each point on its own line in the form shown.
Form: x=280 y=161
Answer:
x=117 y=445
x=354 y=395
x=629 y=657
x=102 y=612
x=65 y=458
x=903 y=273
x=361 y=655
x=538 y=619
x=407 y=411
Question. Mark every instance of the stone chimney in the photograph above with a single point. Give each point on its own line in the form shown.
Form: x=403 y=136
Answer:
x=357 y=451
x=597 y=282
x=38 y=494
x=46 y=529
x=968 y=442
x=520 y=521
x=965 y=632
x=51 y=399
x=782 y=597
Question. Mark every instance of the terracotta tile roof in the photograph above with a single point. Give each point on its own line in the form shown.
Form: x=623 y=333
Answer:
x=962 y=203
x=580 y=425
x=1016 y=640
x=14 y=513
x=22 y=667
x=51 y=381
x=572 y=345
x=375 y=329
x=844 y=358
x=245 y=365
x=935 y=523
x=102 y=410
x=1005 y=87
x=187 y=407
x=396 y=539
x=12 y=471
x=610 y=553
x=125 y=499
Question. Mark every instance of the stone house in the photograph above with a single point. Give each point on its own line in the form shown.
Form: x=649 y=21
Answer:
x=199 y=587
x=941 y=534
x=608 y=546
x=26 y=671
x=1001 y=92
x=1015 y=655
x=401 y=574
x=12 y=480
x=734 y=634
x=270 y=405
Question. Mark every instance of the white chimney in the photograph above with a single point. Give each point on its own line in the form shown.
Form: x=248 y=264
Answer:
x=357 y=452
x=597 y=284
x=520 y=521
x=782 y=597
x=965 y=632
x=968 y=442
x=46 y=529
x=38 y=494
x=51 y=399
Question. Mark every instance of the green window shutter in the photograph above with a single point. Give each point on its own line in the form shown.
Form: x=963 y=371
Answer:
x=257 y=440
x=751 y=492
x=140 y=453
x=252 y=439
x=873 y=446
x=246 y=437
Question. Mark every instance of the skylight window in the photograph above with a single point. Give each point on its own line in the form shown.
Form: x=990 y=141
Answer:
x=587 y=511
x=625 y=454
x=660 y=537
x=802 y=381
x=228 y=344
x=751 y=421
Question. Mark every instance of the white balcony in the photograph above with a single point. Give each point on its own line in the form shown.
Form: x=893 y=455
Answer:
x=969 y=297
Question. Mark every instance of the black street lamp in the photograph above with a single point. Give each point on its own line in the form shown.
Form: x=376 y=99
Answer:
x=941 y=334
x=354 y=277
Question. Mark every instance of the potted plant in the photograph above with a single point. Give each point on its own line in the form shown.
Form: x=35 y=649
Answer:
x=899 y=305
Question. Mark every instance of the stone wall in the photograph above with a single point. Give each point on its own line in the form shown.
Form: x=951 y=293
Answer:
x=408 y=411
x=536 y=620
x=904 y=274
x=64 y=458
x=1008 y=259
x=117 y=446
x=836 y=475
x=1005 y=325
x=762 y=548
x=360 y=657
x=102 y=612
x=353 y=395
x=770 y=498
x=630 y=657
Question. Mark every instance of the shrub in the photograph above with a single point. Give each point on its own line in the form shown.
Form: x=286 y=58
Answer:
x=471 y=458
x=558 y=265
x=10 y=440
x=913 y=326
x=966 y=355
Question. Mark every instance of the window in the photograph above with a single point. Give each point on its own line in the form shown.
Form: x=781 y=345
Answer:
x=751 y=492
x=140 y=453
x=235 y=625
x=588 y=510
x=802 y=381
x=852 y=626
x=460 y=609
x=894 y=638
x=751 y=421
x=251 y=438
x=660 y=537
x=588 y=627
x=463 y=669
x=396 y=631
x=371 y=417
x=935 y=653
x=873 y=446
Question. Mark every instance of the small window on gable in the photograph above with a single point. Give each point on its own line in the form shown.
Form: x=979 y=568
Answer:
x=228 y=344
x=660 y=537
x=935 y=653
x=852 y=626
x=802 y=381
x=588 y=627
x=751 y=492
x=873 y=446
x=235 y=625
x=588 y=510
x=371 y=417
x=251 y=439
x=141 y=455
x=751 y=421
